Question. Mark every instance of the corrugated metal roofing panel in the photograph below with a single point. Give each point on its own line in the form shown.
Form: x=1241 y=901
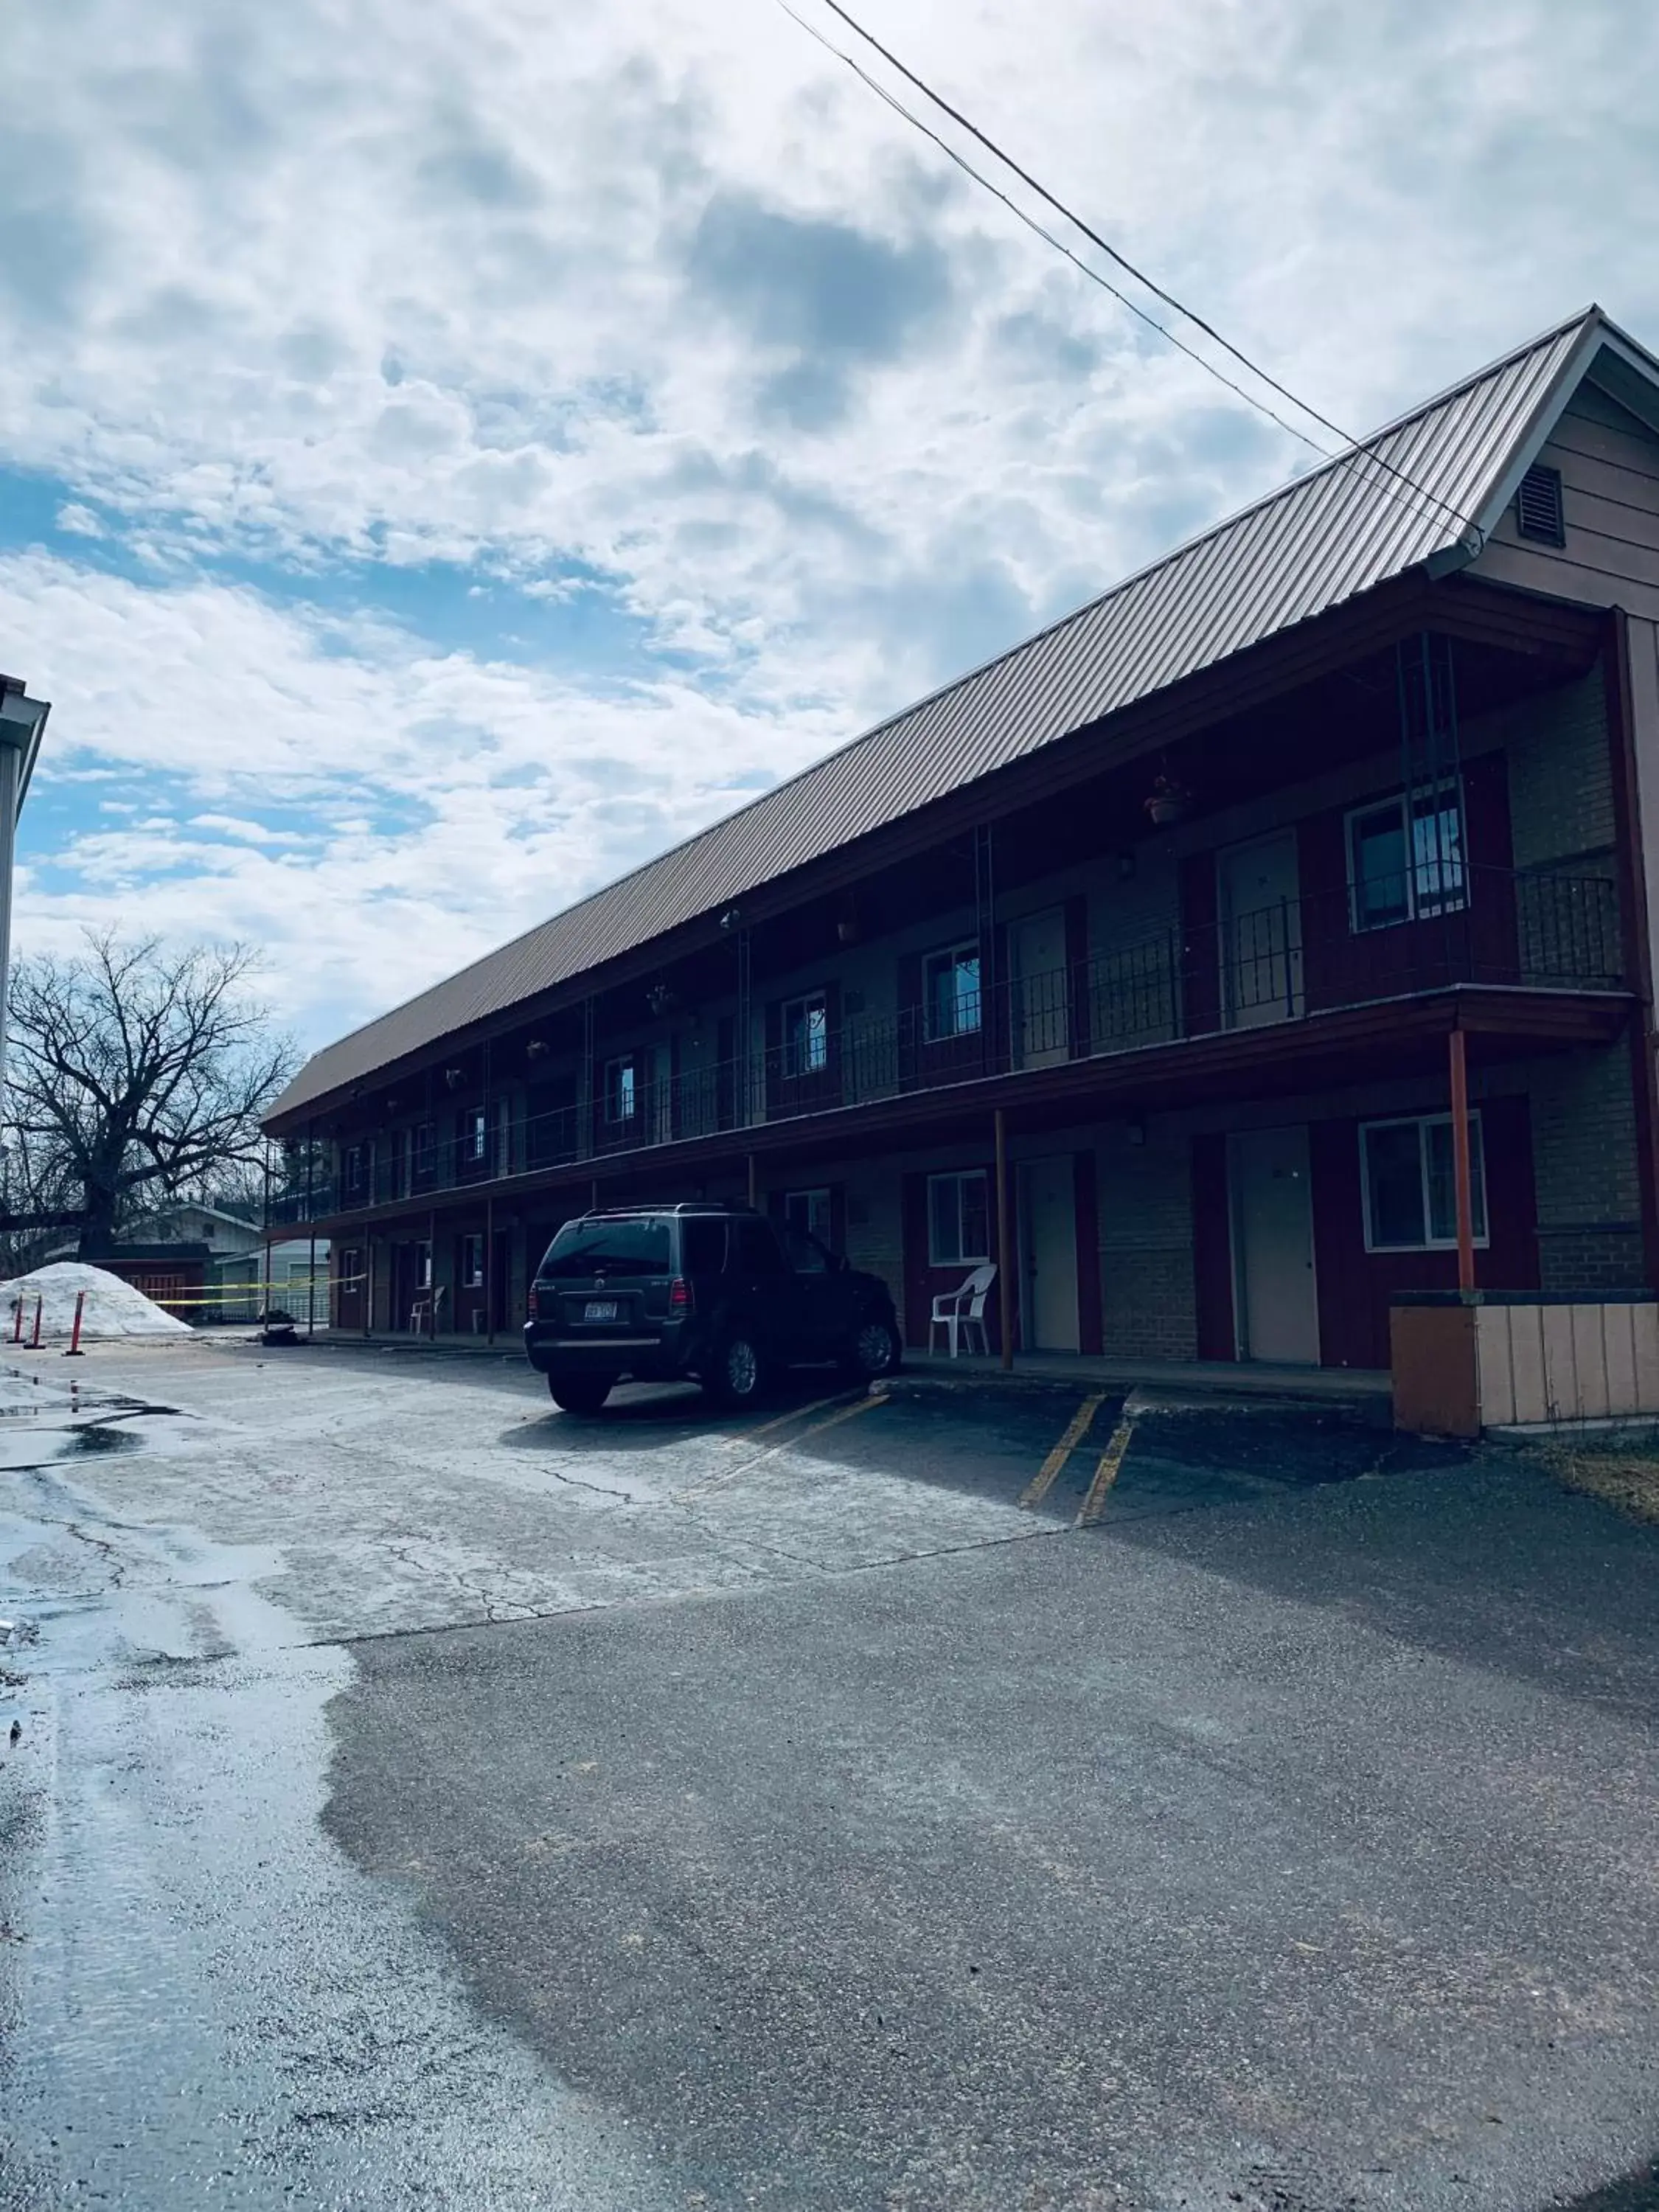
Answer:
x=1323 y=538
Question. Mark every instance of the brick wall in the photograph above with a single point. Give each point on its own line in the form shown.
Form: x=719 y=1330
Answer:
x=1583 y=1135
x=1560 y=773
x=1148 y=1300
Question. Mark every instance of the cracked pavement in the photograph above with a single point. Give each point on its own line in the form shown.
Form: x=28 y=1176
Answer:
x=425 y=1798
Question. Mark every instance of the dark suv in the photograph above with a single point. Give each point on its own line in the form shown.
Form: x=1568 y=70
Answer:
x=719 y=1292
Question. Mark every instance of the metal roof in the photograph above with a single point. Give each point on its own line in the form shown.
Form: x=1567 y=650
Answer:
x=1424 y=489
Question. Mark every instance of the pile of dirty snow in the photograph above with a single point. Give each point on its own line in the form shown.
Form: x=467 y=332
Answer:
x=112 y=1308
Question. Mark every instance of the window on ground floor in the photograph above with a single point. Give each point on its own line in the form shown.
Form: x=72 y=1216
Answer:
x=351 y=1271
x=808 y=1210
x=958 y=1220
x=1411 y=1191
x=473 y=1262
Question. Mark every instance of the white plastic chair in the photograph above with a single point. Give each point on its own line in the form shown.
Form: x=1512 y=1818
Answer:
x=960 y=1312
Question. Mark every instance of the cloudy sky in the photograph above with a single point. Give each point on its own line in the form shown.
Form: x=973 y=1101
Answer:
x=449 y=452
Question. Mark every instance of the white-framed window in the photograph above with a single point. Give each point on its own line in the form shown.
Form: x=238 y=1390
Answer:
x=958 y=1220
x=473 y=1262
x=950 y=980
x=1410 y=1185
x=1405 y=865
x=805 y=1028
x=475 y=1132
x=808 y=1210
x=424 y=1267
x=622 y=1090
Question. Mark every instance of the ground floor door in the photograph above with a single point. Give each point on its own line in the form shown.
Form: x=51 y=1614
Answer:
x=1272 y=1246
x=1046 y=1191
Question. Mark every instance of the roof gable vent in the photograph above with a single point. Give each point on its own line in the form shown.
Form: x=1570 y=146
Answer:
x=1537 y=507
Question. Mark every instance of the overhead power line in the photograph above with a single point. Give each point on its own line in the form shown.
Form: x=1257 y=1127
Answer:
x=1345 y=458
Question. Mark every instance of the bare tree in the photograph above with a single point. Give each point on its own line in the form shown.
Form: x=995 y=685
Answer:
x=136 y=1075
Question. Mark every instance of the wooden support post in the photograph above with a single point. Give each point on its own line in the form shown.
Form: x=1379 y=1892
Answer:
x=311 y=1223
x=1461 y=1172
x=1005 y=1247
x=754 y=1182
x=489 y=1271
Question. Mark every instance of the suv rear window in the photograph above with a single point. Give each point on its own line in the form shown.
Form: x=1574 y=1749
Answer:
x=702 y=1244
x=607 y=1247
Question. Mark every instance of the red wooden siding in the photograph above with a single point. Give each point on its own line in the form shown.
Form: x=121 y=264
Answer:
x=1213 y=1249
x=1091 y=1326
x=1355 y=1285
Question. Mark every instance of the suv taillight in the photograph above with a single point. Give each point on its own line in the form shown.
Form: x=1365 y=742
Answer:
x=679 y=1295
x=532 y=1309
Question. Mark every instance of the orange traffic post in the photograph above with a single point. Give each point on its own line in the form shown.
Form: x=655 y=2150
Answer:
x=75 y=1351
x=35 y=1341
x=1005 y=1247
x=1462 y=1174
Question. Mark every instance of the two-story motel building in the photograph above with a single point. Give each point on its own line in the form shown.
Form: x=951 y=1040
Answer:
x=1145 y=960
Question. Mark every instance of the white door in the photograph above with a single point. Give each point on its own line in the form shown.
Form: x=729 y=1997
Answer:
x=1048 y=1246
x=1274 y=1247
x=1036 y=958
x=1259 y=897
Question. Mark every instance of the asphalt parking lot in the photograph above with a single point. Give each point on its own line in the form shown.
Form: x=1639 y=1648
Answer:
x=983 y=1799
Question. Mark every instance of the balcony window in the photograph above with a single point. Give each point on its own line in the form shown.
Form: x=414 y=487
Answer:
x=621 y=1090
x=953 y=994
x=805 y=1024
x=1406 y=865
x=1411 y=1189
x=475 y=1133
x=958 y=1220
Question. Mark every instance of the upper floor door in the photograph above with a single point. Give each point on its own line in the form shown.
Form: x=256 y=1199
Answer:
x=1259 y=907
x=1041 y=1008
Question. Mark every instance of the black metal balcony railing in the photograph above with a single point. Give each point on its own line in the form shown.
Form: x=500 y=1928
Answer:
x=1537 y=930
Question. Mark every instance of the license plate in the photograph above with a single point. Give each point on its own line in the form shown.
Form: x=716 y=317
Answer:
x=600 y=1310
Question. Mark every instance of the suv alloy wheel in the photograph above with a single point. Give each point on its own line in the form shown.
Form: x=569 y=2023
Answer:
x=737 y=1375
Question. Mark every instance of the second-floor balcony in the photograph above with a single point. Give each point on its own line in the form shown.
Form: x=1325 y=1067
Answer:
x=1285 y=963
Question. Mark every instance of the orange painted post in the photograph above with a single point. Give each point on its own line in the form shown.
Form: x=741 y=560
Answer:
x=75 y=1351
x=35 y=1341
x=1461 y=1172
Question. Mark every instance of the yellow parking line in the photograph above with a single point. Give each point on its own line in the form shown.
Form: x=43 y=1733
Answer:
x=1038 y=1488
x=745 y=1467
x=1105 y=1474
x=795 y=1413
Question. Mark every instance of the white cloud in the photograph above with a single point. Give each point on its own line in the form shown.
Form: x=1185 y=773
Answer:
x=655 y=308
x=451 y=801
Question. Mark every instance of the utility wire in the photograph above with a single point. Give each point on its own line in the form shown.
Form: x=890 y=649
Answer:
x=1348 y=459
